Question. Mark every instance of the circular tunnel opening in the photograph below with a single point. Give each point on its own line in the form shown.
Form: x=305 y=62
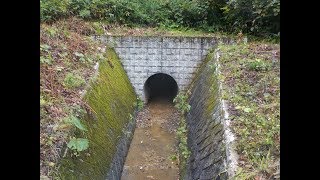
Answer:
x=160 y=87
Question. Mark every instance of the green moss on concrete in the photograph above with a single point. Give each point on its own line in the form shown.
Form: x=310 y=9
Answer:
x=209 y=104
x=201 y=69
x=212 y=99
x=111 y=99
x=207 y=68
x=204 y=101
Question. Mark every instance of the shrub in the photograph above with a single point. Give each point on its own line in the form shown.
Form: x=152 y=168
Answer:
x=78 y=145
x=253 y=16
x=139 y=103
x=53 y=9
x=249 y=16
x=73 y=81
x=258 y=65
x=181 y=103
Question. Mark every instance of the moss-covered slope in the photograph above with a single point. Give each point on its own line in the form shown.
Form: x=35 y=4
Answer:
x=205 y=127
x=111 y=100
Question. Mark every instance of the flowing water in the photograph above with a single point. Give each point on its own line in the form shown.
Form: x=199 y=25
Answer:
x=153 y=143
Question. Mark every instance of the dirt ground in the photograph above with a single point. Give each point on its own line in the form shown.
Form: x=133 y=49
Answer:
x=153 y=143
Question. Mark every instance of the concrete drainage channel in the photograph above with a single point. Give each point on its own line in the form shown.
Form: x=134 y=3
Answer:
x=181 y=64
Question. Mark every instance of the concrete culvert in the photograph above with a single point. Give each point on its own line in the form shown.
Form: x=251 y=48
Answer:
x=160 y=86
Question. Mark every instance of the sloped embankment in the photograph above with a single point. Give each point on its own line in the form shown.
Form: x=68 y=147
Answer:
x=109 y=125
x=234 y=121
x=67 y=59
x=250 y=86
x=205 y=125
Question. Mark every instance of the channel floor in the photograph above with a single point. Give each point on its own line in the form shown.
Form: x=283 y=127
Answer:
x=154 y=142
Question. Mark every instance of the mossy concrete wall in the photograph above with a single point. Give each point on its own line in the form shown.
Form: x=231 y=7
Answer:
x=110 y=125
x=205 y=125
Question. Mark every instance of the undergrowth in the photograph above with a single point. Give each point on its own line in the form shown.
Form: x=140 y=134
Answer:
x=250 y=74
x=67 y=57
x=110 y=98
x=139 y=104
x=184 y=152
x=260 y=18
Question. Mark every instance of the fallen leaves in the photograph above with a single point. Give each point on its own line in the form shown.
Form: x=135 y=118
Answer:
x=252 y=90
x=63 y=44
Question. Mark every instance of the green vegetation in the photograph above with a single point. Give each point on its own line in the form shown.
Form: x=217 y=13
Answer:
x=62 y=82
x=250 y=74
x=110 y=105
x=247 y=16
x=139 y=103
x=76 y=122
x=182 y=135
x=73 y=81
x=182 y=105
x=77 y=107
x=250 y=85
x=78 y=144
x=173 y=157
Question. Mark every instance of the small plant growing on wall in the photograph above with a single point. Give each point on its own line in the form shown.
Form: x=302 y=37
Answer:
x=73 y=81
x=182 y=105
x=77 y=144
x=139 y=103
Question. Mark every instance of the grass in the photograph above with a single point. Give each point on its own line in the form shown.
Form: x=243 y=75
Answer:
x=73 y=81
x=67 y=59
x=250 y=74
x=65 y=68
x=184 y=152
x=105 y=28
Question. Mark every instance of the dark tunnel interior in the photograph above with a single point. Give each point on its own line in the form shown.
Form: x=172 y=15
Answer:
x=160 y=86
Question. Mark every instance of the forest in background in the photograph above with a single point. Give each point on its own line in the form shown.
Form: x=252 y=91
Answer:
x=259 y=18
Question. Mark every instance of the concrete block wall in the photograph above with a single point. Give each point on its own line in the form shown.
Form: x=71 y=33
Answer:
x=205 y=126
x=115 y=171
x=144 y=56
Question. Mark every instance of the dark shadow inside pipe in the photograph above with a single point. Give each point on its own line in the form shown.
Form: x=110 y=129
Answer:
x=160 y=87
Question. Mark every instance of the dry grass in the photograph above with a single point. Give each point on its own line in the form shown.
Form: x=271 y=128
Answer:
x=251 y=86
x=59 y=42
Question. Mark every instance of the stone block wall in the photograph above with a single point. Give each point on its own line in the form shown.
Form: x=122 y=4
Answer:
x=143 y=57
x=205 y=126
x=115 y=171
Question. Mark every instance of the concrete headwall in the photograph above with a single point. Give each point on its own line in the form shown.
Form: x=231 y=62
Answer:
x=143 y=57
